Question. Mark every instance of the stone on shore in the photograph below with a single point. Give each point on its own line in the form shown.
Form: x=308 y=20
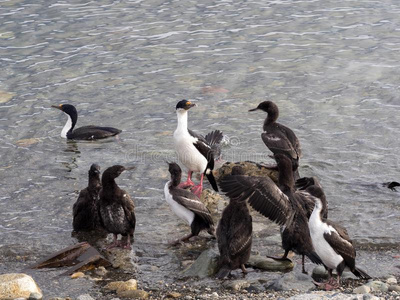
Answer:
x=250 y=168
x=84 y=297
x=17 y=285
x=133 y=294
x=363 y=289
x=269 y=264
x=236 y=285
x=205 y=265
x=377 y=286
x=334 y=295
x=292 y=280
x=121 y=286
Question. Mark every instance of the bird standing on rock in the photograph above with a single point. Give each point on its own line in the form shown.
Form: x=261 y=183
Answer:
x=195 y=151
x=187 y=205
x=279 y=138
x=85 y=209
x=117 y=210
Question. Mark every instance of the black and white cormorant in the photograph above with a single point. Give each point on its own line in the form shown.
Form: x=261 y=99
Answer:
x=85 y=209
x=333 y=245
x=284 y=206
x=195 y=151
x=234 y=234
x=116 y=208
x=187 y=205
x=277 y=137
x=82 y=133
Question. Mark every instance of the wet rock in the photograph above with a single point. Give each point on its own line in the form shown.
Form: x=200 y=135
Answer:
x=174 y=295
x=84 y=297
x=133 y=294
x=394 y=288
x=255 y=288
x=235 y=285
x=391 y=280
x=100 y=271
x=289 y=281
x=27 y=142
x=77 y=275
x=122 y=259
x=320 y=273
x=378 y=286
x=211 y=199
x=35 y=296
x=363 y=289
x=269 y=264
x=205 y=265
x=16 y=285
x=250 y=168
x=120 y=286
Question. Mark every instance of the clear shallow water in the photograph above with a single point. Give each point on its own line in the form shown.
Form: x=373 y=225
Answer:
x=331 y=67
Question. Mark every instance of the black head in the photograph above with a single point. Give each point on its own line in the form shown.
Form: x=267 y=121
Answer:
x=67 y=108
x=176 y=173
x=267 y=106
x=94 y=169
x=113 y=172
x=184 y=104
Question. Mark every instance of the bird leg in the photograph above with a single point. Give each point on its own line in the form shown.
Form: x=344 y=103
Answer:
x=188 y=182
x=115 y=242
x=198 y=188
x=184 y=239
x=243 y=269
x=303 y=269
x=128 y=243
x=330 y=284
x=284 y=257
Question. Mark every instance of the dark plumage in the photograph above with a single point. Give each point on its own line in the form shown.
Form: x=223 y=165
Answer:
x=85 y=213
x=187 y=205
x=234 y=235
x=333 y=245
x=277 y=137
x=116 y=208
x=82 y=133
x=312 y=186
x=284 y=206
x=392 y=185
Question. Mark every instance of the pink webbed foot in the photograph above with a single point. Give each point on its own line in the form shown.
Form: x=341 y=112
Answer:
x=197 y=190
x=186 y=184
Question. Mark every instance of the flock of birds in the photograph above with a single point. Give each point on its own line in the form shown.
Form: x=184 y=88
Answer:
x=297 y=204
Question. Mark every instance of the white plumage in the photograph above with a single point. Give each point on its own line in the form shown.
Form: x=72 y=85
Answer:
x=181 y=211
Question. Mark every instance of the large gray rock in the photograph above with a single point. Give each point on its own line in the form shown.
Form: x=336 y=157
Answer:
x=269 y=264
x=205 y=265
x=378 y=286
x=320 y=273
x=292 y=280
x=334 y=295
x=17 y=285
x=251 y=169
x=363 y=289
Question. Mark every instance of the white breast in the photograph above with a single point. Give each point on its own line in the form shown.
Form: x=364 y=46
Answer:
x=187 y=152
x=181 y=211
x=67 y=127
x=317 y=230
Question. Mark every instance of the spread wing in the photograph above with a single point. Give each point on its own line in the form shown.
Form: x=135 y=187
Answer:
x=262 y=194
x=192 y=203
x=204 y=148
x=341 y=246
x=129 y=208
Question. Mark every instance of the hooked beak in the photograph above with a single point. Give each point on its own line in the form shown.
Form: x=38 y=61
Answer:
x=253 y=109
x=130 y=168
x=57 y=106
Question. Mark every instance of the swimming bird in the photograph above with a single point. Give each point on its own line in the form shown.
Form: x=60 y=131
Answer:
x=187 y=205
x=116 y=207
x=234 y=235
x=284 y=205
x=193 y=150
x=82 y=133
x=84 y=210
x=277 y=137
x=333 y=245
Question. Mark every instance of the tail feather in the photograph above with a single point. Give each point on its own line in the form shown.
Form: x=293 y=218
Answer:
x=223 y=272
x=315 y=258
x=361 y=273
x=212 y=181
x=214 y=137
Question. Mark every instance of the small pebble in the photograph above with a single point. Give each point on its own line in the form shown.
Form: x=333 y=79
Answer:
x=391 y=280
x=35 y=296
x=77 y=275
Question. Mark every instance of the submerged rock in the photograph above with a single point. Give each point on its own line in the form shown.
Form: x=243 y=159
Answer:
x=17 y=285
x=290 y=281
x=205 y=265
x=269 y=264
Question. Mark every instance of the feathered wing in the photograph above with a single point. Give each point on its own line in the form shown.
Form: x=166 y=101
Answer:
x=240 y=238
x=192 y=203
x=342 y=247
x=292 y=138
x=95 y=131
x=80 y=203
x=214 y=139
x=129 y=209
x=262 y=194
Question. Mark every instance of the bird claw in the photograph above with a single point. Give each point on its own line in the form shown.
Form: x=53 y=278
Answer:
x=197 y=190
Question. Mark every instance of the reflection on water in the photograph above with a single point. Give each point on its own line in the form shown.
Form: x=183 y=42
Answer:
x=330 y=67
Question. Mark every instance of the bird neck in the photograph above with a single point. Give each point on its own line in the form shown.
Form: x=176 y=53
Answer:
x=286 y=179
x=175 y=180
x=68 y=127
x=272 y=117
x=317 y=211
x=182 y=120
x=94 y=182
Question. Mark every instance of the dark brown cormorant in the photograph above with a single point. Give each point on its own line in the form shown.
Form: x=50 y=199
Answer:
x=187 y=205
x=284 y=206
x=85 y=213
x=234 y=235
x=392 y=185
x=277 y=137
x=116 y=208
x=333 y=245
x=195 y=151
x=82 y=133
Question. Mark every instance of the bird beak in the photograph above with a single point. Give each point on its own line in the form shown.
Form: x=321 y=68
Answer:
x=190 y=105
x=130 y=168
x=253 y=109
x=57 y=106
